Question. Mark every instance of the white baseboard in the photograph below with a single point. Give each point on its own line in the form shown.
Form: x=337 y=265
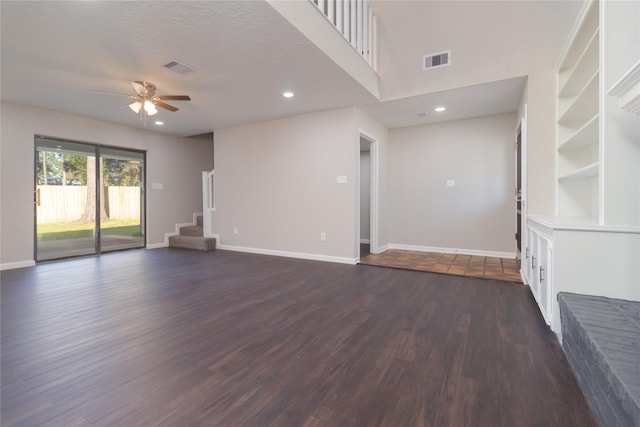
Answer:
x=298 y=255
x=158 y=245
x=365 y=241
x=18 y=264
x=381 y=249
x=452 y=250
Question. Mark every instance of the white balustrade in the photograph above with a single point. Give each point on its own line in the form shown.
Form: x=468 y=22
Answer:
x=356 y=21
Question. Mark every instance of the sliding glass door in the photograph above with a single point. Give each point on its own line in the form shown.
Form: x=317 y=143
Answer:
x=88 y=199
x=122 y=173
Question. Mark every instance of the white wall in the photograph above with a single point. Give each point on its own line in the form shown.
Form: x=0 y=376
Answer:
x=489 y=41
x=365 y=189
x=620 y=130
x=173 y=161
x=478 y=213
x=276 y=183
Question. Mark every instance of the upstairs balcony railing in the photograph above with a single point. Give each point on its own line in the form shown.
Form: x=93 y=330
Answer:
x=355 y=20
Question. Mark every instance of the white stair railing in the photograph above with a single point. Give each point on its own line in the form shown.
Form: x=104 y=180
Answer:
x=355 y=20
x=208 y=201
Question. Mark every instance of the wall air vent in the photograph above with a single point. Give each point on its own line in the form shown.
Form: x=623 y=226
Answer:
x=436 y=60
x=179 y=67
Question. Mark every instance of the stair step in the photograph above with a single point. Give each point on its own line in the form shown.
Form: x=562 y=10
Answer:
x=191 y=230
x=193 y=242
x=199 y=221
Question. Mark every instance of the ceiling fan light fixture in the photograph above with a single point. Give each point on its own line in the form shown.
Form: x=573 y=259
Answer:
x=150 y=108
x=136 y=106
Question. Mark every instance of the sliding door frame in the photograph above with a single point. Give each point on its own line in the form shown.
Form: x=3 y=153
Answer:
x=98 y=183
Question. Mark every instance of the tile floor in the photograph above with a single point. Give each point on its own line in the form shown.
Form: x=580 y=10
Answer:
x=504 y=269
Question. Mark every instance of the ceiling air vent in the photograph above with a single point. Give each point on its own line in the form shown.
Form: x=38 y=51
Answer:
x=436 y=60
x=179 y=67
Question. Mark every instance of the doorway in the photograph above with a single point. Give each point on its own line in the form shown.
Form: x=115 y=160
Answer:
x=521 y=182
x=518 y=191
x=367 y=218
x=89 y=199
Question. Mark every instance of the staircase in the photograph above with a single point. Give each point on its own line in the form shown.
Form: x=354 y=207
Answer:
x=192 y=237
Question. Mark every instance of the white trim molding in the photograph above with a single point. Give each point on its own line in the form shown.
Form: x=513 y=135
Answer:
x=164 y=244
x=416 y=248
x=17 y=264
x=381 y=249
x=365 y=241
x=298 y=255
x=627 y=89
x=374 y=190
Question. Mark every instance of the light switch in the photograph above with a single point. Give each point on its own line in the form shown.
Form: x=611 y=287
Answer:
x=341 y=179
x=157 y=186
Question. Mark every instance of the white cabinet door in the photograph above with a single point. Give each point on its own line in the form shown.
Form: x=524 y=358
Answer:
x=534 y=263
x=538 y=257
x=543 y=277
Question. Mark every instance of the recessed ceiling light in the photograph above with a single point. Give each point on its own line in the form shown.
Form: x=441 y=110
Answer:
x=439 y=109
x=288 y=94
x=159 y=123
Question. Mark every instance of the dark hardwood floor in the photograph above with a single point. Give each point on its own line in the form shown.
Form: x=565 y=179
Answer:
x=171 y=337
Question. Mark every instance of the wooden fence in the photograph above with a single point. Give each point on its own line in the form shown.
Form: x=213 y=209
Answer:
x=67 y=203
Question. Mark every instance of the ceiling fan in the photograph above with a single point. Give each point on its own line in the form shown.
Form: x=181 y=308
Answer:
x=145 y=100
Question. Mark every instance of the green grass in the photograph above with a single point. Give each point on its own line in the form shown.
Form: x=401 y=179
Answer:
x=76 y=230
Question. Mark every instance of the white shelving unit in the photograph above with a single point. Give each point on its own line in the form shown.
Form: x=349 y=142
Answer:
x=592 y=243
x=578 y=157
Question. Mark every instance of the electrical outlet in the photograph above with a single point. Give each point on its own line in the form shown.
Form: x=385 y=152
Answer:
x=451 y=183
x=235 y=230
x=323 y=237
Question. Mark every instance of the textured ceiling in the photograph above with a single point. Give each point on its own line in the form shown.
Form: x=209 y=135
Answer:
x=245 y=55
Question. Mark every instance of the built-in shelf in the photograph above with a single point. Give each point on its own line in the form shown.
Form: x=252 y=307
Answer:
x=584 y=105
x=583 y=223
x=587 y=64
x=585 y=136
x=583 y=172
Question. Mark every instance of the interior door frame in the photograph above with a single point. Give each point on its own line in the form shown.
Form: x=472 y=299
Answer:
x=373 y=192
x=521 y=128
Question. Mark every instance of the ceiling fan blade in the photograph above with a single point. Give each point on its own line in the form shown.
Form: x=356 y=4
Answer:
x=173 y=97
x=113 y=93
x=139 y=87
x=165 y=106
